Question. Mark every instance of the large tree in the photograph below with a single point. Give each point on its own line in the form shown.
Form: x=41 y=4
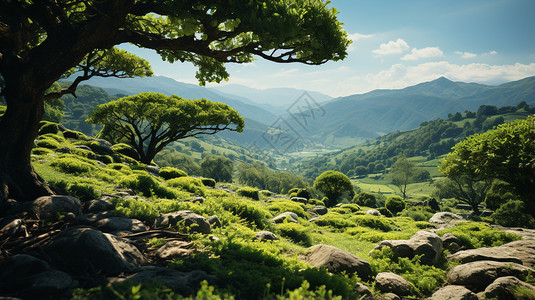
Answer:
x=403 y=173
x=43 y=40
x=333 y=184
x=151 y=121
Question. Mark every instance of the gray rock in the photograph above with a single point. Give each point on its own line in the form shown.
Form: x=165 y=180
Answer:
x=387 y=282
x=288 y=216
x=191 y=220
x=120 y=224
x=92 y=218
x=450 y=242
x=463 y=206
x=52 y=206
x=520 y=252
x=389 y=296
x=101 y=146
x=454 y=292
x=319 y=210
x=504 y=288
x=445 y=218
x=153 y=169
x=14 y=228
x=299 y=199
x=198 y=200
x=362 y=290
x=94 y=206
x=29 y=277
x=477 y=275
x=214 y=221
x=175 y=249
x=266 y=236
x=424 y=243
x=337 y=260
x=82 y=250
x=373 y=212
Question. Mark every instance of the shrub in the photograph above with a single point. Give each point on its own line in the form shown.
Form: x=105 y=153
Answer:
x=335 y=220
x=41 y=151
x=48 y=143
x=296 y=232
x=170 y=173
x=365 y=199
x=188 y=184
x=120 y=167
x=302 y=193
x=248 y=211
x=126 y=150
x=140 y=183
x=380 y=223
x=248 y=192
x=417 y=213
x=513 y=213
x=83 y=191
x=395 y=204
x=385 y=212
x=73 y=165
x=59 y=138
x=476 y=235
x=69 y=134
x=280 y=206
x=48 y=127
x=208 y=182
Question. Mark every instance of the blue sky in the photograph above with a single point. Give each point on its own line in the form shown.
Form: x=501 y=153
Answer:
x=402 y=43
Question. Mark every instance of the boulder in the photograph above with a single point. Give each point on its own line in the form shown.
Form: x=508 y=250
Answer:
x=289 y=216
x=424 y=243
x=193 y=221
x=477 y=275
x=337 y=260
x=214 y=221
x=101 y=146
x=319 y=210
x=82 y=250
x=94 y=206
x=184 y=283
x=175 y=249
x=14 y=228
x=463 y=206
x=28 y=277
x=373 y=212
x=299 y=199
x=92 y=218
x=445 y=218
x=387 y=282
x=266 y=236
x=454 y=292
x=52 y=206
x=113 y=224
x=507 y=288
x=520 y=252
x=153 y=169
x=362 y=290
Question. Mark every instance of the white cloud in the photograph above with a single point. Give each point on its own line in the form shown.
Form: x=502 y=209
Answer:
x=423 y=53
x=392 y=47
x=286 y=72
x=357 y=37
x=465 y=54
x=490 y=53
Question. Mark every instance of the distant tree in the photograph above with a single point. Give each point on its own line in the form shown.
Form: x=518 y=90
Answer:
x=487 y=110
x=456 y=117
x=333 y=184
x=151 y=121
x=218 y=168
x=361 y=170
x=470 y=114
x=365 y=199
x=395 y=204
x=403 y=172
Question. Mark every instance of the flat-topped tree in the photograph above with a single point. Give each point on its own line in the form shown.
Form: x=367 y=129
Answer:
x=151 y=121
x=42 y=40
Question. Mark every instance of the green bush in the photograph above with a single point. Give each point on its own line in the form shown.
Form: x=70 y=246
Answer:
x=48 y=127
x=83 y=191
x=170 y=173
x=188 y=184
x=282 y=205
x=335 y=220
x=395 y=204
x=41 y=151
x=70 y=134
x=140 y=183
x=375 y=222
x=298 y=233
x=365 y=199
x=73 y=165
x=208 y=182
x=58 y=137
x=385 y=212
x=250 y=212
x=248 y=192
x=417 y=213
x=476 y=235
x=120 y=167
x=48 y=143
x=299 y=192
x=513 y=214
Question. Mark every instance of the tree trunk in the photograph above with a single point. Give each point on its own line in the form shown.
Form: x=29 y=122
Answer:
x=18 y=130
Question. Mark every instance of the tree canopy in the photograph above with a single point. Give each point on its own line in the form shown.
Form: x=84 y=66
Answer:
x=333 y=184
x=150 y=121
x=403 y=172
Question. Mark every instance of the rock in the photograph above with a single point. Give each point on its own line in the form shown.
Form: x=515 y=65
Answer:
x=454 y=292
x=153 y=169
x=389 y=296
x=198 y=200
x=92 y=218
x=14 y=228
x=362 y=290
x=433 y=204
x=486 y=213
x=63 y=150
x=289 y=216
x=520 y=252
x=51 y=206
x=101 y=146
x=373 y=212
x=83 y=250
x=504 y=288
x=94 y=206
x=266 y=236
x=175 y=249
x=83 y=147
x=184 y=283
x=120 y=224
x=214 y=221
x=337 y=260
x=421 y=243
x=28 y=277
x=299 y=199
x=477 y=275
x=387 y=282
x=191 y=220
x=449 y=238
x=319 y=210
x=445 y=218
x=463 y=206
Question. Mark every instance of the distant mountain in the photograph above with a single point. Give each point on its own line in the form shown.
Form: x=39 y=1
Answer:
x=382 y=111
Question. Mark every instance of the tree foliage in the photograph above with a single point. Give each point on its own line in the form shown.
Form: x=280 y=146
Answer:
x=150 y=121
x=218 y=168
x=333 y=184
x=403 y=173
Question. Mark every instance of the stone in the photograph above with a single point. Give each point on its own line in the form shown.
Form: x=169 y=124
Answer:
x=477 y=275
x=185 y=283
x=288 y=216
x=93 y=206
x=424 y=243
x=29 y=277
x=299 y=199
x=520 y=252
x=319 y=210
x=387 y=282
x=120 y=224
x=362 y=290
x=193 y=221
x=454 y=292
x=266 y=236
x=389 y=296
x=445 y=218
x=175 y=249
x=504 y=288
x=198 y=200
x=89 y=250
x=52 y=206
x=14 y=228
x=449 y=238
x=214 y=221
x=92 y=218
x=101 y=146
x=337 y=260
x=153 y=169
x=373 y=212
x=463 y=206
x=63 y=150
